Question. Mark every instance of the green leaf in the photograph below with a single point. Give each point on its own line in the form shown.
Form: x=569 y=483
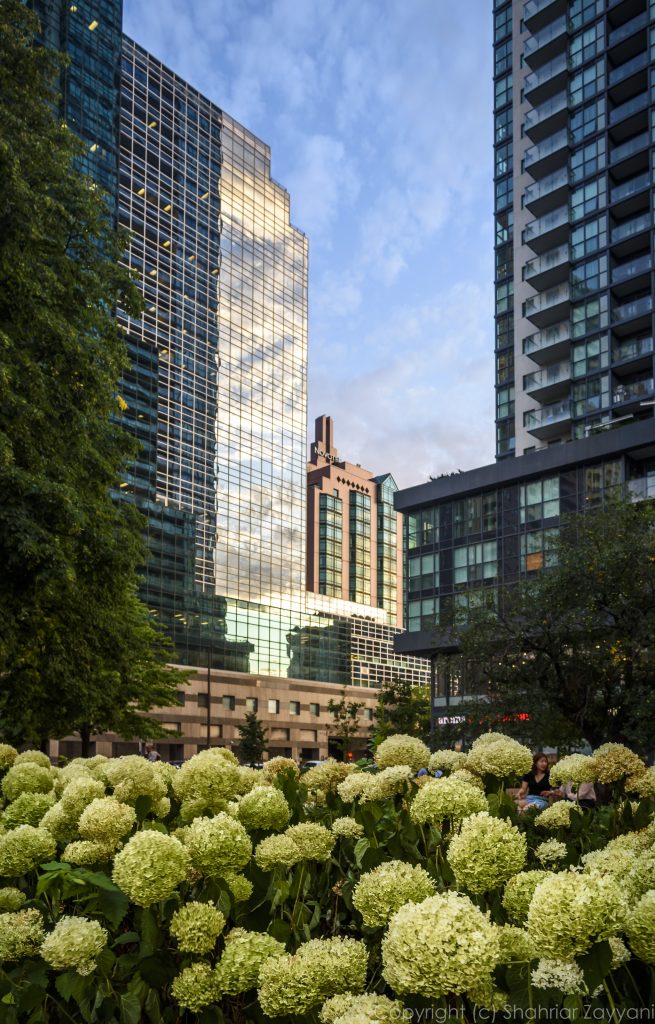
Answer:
x=596 y=964
x=361 y=846
x=156 y=971
x=142 y=806
x=130 y=1009
x=125 y=938
x=280 y=930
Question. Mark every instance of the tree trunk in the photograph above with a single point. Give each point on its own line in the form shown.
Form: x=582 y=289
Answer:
x=85 y=736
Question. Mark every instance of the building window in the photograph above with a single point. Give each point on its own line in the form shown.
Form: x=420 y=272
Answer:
x=601 y=480
x=589 y=238
x=589 y=277
x=229 y=703
x=330 y=535
x=589 y=396
x=422 y=615
x=504 y=367
x=581 y=12
x=505 y=297
x=505 y=437
x=587 y=199
x=315 y=709
x=590 y=356
x=423 y=572
x=203 y=700
x=586 y=45
x=587 y=121
x=587 y=160
x=503 y=91
x=294 y=707
x=503 y=125
x=539 y=500
x=475 y=562
x=589 y=316
x=252 y=704
x=181 y=696
x=503 y=193
x=474 y=515
x=273 y=707
x=503 y=24
x=587 y=84
x=423 y=528
x=536 y=550
x=503 y=57
x=368 y=714
x=504 y=403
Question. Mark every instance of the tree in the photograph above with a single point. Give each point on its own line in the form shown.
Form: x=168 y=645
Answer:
x=573 y=647
x=402 y=708
x=346 y=722
x=78 y=651
x=253 y=741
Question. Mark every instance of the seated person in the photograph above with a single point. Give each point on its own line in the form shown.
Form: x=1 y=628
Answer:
x=585 y=794
x=535 y=786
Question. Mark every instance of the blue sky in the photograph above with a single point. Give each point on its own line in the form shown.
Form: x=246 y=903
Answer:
x=378 y=114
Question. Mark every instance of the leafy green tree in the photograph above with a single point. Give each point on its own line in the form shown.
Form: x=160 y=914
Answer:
x=253 y=739
x=573 y=648
x=402 y=708
x=78 y=651
x=346 y=724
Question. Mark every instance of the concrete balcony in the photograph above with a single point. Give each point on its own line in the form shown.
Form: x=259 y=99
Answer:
x=547 y=156
x=548 y=193
x=631 y=236
x=546 y=43
x=636 y=309
x=629 y=68
x=549 y=421
x=626 y=276
x=630 y=395
x=550 y=383
x=548 y=307
x=549 y=269
x=547 y=118
x=550 y=345
x=537 y=13
x=632 y=355
x=547 y=232
x=543 y=83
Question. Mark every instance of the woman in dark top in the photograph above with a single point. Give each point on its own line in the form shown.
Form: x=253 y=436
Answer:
x=535 y=786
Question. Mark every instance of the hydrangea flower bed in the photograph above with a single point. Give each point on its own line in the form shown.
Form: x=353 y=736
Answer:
x=135 y=892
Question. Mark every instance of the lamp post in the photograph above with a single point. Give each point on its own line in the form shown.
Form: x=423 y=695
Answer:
x=433 y=697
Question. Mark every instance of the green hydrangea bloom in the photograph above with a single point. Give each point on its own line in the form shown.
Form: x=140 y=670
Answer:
x=464 y=775
x=347 y=828
x=196 y=987
x=8 y=755
x=369 y=1008
x=33 y=757
x=314 y=842
x=327 y=775
x=249 y=778
x=354 y=786
x=106 y=821
x=23 y=848
x=243 y=957
x=277 y=851
x=239 y=886
x=335 y=1007
x=21 y=935
x=640 y=928
x=264 y=808
x=614 y=761
x=402 y=750
x=519 y=891
x=498 y=755
x=550 y=852
x=208 y=781
x=86 y=852
x=445 y=798
x=447 y=760
x=515 y=944
x=26 y=777
x=557 y=816
x=59 y=824
x=569 y=912
x=319 y=969
x=196 y=926
x=280 y=764
x=74 y=944
x=150 y=867
x=132 y=777
x=642 y=785
x=11 y=899
x=486 y=852
x=384 y=890
x=563 y=976
x=620 y=952
x=459 y=947
x=78 y=794
x=27 y=809
x=574 y=768
x=387 y=783
x=217 y=845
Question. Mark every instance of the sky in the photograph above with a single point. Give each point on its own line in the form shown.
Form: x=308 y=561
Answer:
x=379 y=118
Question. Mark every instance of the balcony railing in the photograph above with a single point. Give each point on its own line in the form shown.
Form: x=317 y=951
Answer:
x=630 y=310
x=540 y=189
x=547 y=414
x=641 y=487
x=628 y=108
x=546 y=110
x=637 y=389
x=545 y=300
x=549 y=221
x=629 y=148
x=633 y=348
x=628 y=29
x=631 y=187
x=547 y=261
x=548 y=375
x=545 y=36
x=630 y=228
x=631 y=67
x=555 y=335
x=548 y=146
x=628 y=271
x=532 y=7
x=544 y=73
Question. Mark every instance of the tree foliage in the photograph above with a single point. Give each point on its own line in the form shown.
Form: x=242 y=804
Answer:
x=402 y=708
x=346 y=724
x=573 y=648
x=253 y=739
x=77 y=648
